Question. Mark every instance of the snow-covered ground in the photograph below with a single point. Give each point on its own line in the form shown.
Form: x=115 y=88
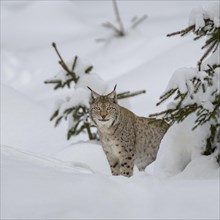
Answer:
x=44 y=176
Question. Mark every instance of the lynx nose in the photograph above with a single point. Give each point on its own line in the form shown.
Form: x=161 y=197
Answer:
x=103 y=116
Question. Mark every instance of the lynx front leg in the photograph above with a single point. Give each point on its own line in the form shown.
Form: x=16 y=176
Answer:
x=113 y=163
x=115 y=168
x=127 y=166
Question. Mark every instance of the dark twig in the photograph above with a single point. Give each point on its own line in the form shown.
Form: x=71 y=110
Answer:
x=121 y=27
x=182 y=32
x=206 y=54
x=128 y=94
x=138 y=21
x=111 y=26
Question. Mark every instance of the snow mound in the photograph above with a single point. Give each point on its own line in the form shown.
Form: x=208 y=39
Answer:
x=19 y=115
x=36 y=187
x=179 y=147
x=44 y=161
x=203 y=167
x=91 y=154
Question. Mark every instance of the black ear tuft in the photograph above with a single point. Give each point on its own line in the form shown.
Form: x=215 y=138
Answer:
x=93 y=97
x=115 y=87
x=112 y=95
x=89 y=88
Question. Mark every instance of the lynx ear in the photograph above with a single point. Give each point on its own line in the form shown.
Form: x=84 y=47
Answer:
x=93 y=97
x=112 y=95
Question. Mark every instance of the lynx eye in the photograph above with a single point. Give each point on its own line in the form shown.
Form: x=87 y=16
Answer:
x=109 y=108
x=97 y=108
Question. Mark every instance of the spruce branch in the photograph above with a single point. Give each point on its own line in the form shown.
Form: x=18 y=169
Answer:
x=119 y=31
x=115 y=29
x=118 y=28
x=64 y=65
x=211 y=47
x=91 y=136
x=70 y=74
x=138 y=21
x=55 y=47
x=210 y=30
x=74 y=63
x=182 y=32
x=165 y=96
x=89 y=69
x=58 y=120
x=129 y=94
x=202 y=83
x=55 y=114
x=53 y=81
x=118 y=17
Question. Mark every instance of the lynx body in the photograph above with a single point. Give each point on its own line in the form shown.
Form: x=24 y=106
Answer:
x=127 y=139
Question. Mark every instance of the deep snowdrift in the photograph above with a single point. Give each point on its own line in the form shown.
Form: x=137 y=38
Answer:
x=36 y=187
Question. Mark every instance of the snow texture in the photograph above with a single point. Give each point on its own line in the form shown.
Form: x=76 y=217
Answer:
x=180 y=78
x=210 y=11
x=44 y=176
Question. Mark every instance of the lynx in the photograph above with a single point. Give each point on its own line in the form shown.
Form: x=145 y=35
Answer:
x=126 y=138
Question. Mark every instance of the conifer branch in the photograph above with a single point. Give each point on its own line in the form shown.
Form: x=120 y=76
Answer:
x=117 y=14
x=182 y=32
x=115 y=29
x=188 y=103
x=118 y=28
x=64 y=65
x=74 y=63
x=166 y=96
x=129 y=94
x=138 y=21
x=206 y=53
x=71 y=75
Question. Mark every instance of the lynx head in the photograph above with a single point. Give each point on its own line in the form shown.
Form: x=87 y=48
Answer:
x=104 y=109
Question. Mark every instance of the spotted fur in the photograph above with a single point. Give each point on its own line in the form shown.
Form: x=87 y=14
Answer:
x=127 y=139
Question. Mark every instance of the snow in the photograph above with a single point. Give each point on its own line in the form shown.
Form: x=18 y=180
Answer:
x=212 y=59
x=80 y=96
x=197 y=18
x=190 y=145
x=44 y=176
x=26 y=124
x=199 y=14
x=48 y=192
x=180 y=78
x=213 y=12
x=93 y=81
